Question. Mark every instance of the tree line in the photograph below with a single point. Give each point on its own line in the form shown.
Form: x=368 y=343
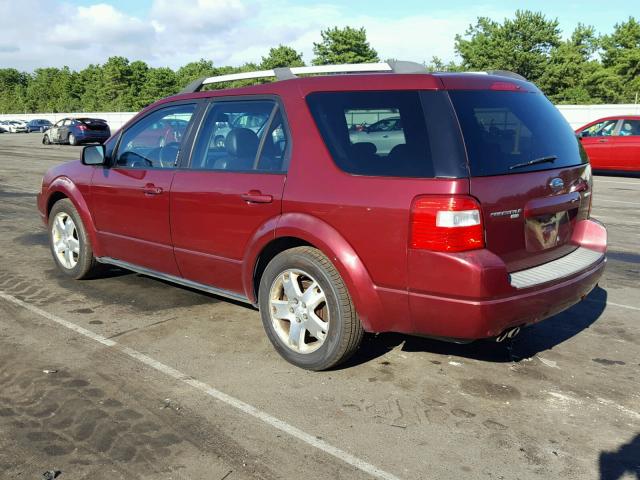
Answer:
x=587 y=67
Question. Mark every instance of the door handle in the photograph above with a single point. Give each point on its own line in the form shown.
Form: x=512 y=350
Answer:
x=151 y=189
x=603 y=140
x=256 y=196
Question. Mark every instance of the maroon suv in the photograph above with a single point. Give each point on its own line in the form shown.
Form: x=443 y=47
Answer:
x=468 y=220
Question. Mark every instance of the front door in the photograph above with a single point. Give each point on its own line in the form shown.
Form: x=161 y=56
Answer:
x=131 y=196
x=233 y=186
x=53 y=132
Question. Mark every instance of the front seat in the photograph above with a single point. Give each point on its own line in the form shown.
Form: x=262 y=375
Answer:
x=242 y=146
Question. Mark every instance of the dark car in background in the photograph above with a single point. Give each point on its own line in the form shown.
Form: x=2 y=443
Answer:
x=75 y=131
x=38 y=125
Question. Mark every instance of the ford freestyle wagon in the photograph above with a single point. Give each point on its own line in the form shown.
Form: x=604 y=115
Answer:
x=469 y=219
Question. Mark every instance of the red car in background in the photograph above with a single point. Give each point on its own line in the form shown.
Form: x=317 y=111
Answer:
x=613 y=143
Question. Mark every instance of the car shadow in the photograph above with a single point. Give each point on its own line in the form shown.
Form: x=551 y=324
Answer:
x=615 y=465
x=532 y=340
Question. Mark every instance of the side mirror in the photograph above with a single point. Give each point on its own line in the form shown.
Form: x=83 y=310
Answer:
x=583 y=133
x=93 y=155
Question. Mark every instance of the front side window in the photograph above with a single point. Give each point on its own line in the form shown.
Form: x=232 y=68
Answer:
x=601 y=129
x=155 y=141
x=242 y=136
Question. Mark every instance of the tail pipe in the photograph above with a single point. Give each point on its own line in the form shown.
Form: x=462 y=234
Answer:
x=509 y=333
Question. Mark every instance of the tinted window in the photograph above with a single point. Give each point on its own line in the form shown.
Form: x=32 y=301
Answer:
x=502 y=129
x=374 y=133
x=144 y=145
x=242 y=136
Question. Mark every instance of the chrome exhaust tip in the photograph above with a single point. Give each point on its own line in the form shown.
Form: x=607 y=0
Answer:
x=509 y=333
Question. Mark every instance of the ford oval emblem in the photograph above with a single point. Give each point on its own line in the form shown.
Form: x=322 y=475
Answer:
x=556 y=184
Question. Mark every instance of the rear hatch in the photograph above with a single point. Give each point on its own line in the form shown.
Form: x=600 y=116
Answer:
x=95 y=124
x=527 y=169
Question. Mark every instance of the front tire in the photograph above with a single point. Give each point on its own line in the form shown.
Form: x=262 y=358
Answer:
x=306 y=310
x=45 y=140
x=69 y=243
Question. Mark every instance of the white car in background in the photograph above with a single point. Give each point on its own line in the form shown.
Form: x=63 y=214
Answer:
x=16 y=126
x=384 y=134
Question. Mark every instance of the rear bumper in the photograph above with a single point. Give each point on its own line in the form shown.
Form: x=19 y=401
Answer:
x=92 y=137
x=502 y=301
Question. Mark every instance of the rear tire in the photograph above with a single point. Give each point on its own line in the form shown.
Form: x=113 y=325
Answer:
x=72 y=139
x=317 y=336
x=69 y=243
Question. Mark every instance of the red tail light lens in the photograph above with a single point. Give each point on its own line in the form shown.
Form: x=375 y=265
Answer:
x=446 y=223
x=505 y=86
x=82 y=127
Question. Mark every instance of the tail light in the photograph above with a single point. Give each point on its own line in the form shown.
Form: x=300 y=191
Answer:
x=587 y=180
x=444 y=223
x=82 y=127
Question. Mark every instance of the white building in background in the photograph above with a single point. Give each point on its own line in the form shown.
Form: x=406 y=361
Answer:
x=576 y=115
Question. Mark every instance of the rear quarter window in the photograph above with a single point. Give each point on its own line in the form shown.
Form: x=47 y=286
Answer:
x=504 y=129
x=390 y=133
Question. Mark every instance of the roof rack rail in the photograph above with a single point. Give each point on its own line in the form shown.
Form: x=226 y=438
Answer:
x=288 y=73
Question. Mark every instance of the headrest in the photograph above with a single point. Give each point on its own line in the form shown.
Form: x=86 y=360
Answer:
x=241 y=142
x=364 y=148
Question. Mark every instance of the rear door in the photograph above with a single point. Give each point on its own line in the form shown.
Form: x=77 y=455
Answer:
x=627 y=145
x=232 y=186
x=598 y=140
x=131 y=196
x=528 y=171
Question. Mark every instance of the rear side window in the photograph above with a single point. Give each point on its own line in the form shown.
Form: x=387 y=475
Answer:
x=630 y=128
x=514 y=132
x=242 y=136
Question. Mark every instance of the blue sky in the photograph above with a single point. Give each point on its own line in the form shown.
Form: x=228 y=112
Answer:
x=231 y=32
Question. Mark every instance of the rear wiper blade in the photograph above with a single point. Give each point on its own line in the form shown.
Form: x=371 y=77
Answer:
x=535 y=161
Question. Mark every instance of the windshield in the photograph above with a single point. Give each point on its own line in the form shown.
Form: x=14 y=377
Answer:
x=514 y=132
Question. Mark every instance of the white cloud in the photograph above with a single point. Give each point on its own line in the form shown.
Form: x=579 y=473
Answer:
x=188 y=16
x=174 y=32
x=99 y=26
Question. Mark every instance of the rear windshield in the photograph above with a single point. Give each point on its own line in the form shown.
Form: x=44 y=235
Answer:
x=390 y=133
x=505 y=131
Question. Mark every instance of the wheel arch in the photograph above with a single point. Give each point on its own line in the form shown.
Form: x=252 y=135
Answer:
x=63 y=187
x=298 y=229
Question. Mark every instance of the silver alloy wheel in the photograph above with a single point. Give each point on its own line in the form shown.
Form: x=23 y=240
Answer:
x=66 y=243
x=299 y=311
x=72 y=139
